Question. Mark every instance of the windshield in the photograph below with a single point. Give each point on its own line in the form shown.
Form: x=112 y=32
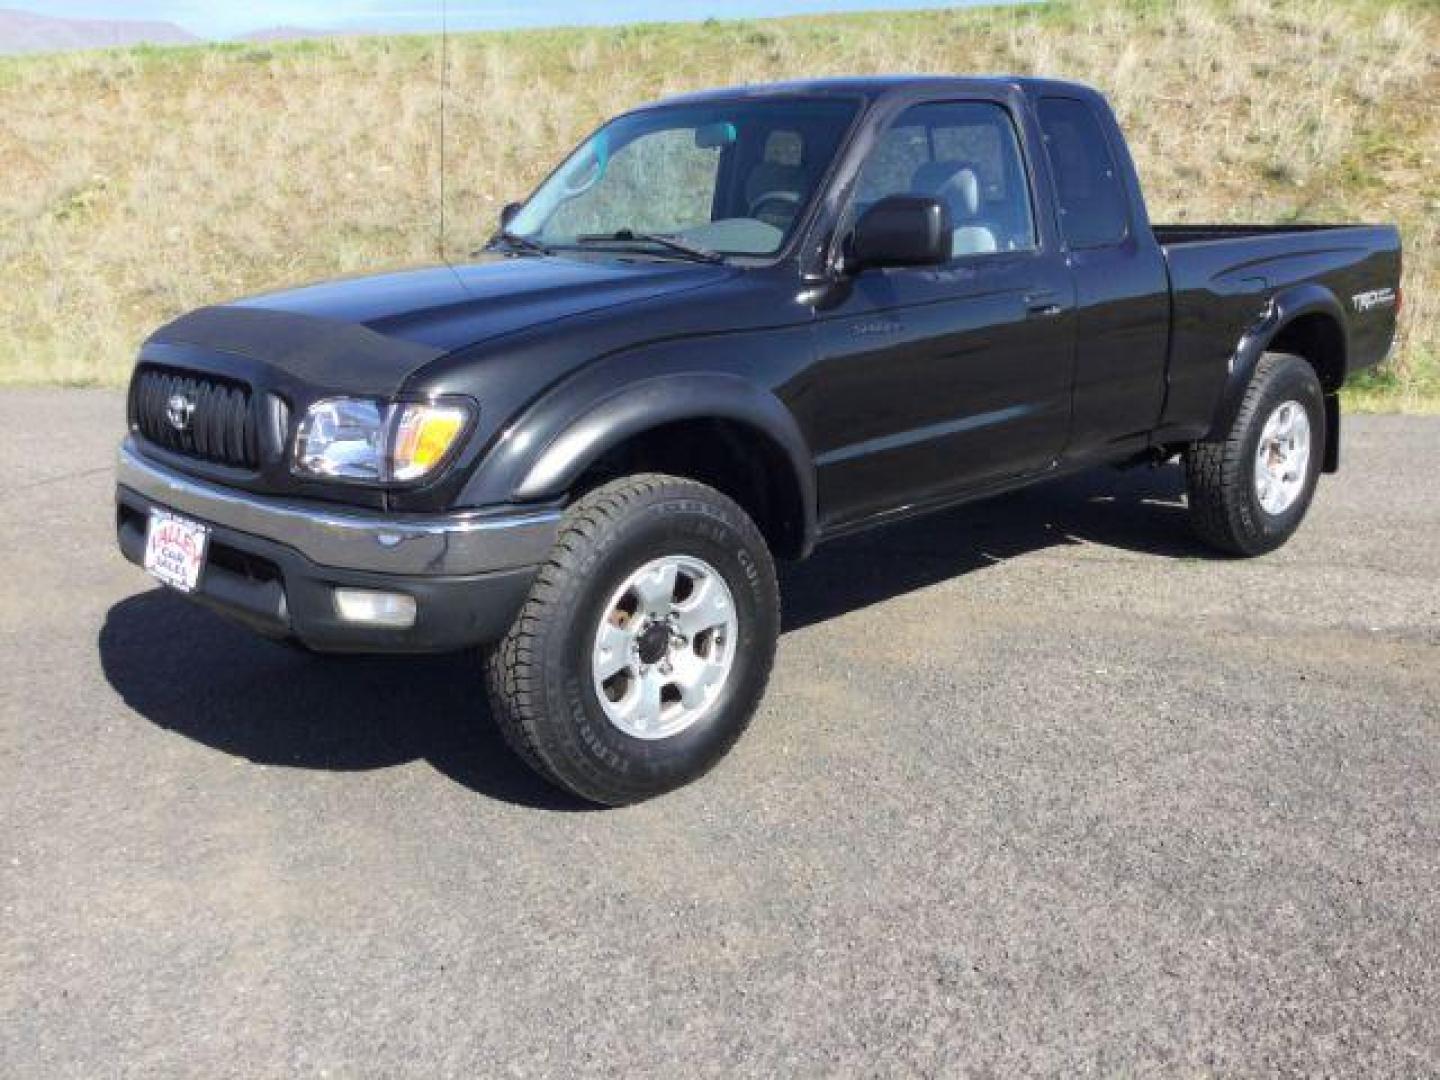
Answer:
x=732 y=178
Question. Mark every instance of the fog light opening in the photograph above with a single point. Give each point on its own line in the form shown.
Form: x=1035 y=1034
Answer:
x=375 y=608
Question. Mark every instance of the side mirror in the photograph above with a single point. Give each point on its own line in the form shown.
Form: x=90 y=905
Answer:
x=508 y=212
x=901 y=230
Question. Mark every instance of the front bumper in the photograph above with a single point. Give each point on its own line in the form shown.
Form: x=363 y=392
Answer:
x=274 y=564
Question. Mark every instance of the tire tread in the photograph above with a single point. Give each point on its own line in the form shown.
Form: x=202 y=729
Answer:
x=513 y=667
x=1217 y=471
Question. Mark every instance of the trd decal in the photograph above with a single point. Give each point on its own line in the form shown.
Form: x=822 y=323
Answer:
x=1367 y=301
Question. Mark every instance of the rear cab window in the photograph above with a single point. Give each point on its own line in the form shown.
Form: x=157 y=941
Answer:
x=1088 y=193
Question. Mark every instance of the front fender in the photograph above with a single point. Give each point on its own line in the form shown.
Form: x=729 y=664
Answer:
x=546 y=451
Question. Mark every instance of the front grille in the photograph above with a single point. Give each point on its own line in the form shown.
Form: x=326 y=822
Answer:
x=221 y=426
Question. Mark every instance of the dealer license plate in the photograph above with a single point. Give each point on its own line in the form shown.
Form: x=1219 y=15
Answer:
x=175 y=549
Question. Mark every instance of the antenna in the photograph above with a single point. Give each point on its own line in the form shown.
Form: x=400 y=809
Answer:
x=444 y=93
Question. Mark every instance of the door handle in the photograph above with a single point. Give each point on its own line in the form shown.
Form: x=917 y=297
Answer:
x=1042 y=305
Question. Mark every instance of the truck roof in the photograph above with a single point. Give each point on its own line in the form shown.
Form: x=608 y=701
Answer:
x=871 y=87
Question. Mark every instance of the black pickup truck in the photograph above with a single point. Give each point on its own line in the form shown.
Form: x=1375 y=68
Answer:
x=728 y=327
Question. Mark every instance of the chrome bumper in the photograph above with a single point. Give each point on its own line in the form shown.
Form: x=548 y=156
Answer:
x=466 y=542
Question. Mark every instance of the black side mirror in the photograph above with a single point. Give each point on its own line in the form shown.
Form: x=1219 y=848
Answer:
x=507 y=214
x=901 y=230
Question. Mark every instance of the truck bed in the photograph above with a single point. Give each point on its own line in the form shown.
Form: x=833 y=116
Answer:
x=1198 y=233
x=1222 y=278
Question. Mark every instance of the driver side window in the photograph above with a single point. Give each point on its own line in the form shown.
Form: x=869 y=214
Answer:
x=966 y=155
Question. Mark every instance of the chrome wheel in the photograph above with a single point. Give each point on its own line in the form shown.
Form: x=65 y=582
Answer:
x=1282 y=459
x=664 y=647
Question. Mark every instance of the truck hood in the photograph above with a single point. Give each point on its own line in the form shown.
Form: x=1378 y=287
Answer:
x=367 y=335
x=450 y=307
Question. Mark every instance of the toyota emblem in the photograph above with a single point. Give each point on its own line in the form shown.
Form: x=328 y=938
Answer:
x=178 y=410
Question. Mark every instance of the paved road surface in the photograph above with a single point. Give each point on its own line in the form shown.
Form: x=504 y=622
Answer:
x=1039 y=787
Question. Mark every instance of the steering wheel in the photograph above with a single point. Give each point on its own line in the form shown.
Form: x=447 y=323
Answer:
x=786 y=201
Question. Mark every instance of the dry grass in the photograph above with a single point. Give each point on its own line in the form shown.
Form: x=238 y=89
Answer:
x=141 y=183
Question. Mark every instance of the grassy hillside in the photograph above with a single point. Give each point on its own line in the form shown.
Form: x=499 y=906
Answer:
x=139 y=183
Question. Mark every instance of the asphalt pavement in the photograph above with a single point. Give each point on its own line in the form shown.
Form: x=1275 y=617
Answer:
x=1040 y=787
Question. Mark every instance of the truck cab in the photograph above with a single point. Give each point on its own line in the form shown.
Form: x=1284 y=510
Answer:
x=1040 y=341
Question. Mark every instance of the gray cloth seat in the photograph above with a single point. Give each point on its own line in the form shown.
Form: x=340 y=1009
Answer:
x=957 y=186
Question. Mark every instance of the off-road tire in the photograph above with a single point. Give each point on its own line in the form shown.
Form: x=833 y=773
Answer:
x=1225 y=508
x=539 y=679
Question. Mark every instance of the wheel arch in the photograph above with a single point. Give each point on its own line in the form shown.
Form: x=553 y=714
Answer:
x=720 y=429
x=1307 y=321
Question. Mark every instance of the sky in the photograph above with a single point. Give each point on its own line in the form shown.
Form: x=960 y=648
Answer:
x=221 y=19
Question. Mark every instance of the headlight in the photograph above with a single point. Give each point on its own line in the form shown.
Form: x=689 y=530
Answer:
x=343 y=439
x=361 y=440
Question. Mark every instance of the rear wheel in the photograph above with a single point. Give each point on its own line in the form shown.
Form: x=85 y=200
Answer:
x=646 y=642
x=1249 y=492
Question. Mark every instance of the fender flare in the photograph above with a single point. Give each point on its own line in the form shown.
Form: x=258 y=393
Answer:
x=1285 y=307
x=664 y=399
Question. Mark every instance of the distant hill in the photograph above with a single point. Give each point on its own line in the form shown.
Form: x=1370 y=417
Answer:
x=283 y=33
x=26 y=32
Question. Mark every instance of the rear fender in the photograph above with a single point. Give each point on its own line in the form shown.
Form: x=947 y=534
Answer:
x=1285 y=307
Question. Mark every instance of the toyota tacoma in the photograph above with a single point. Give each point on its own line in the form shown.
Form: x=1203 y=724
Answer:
x=728 y=327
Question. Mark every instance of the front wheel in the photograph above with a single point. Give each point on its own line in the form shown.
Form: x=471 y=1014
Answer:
x=645 y=644
x=1249 y=491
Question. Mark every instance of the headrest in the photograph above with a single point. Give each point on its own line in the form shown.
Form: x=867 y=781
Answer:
x=952 y=182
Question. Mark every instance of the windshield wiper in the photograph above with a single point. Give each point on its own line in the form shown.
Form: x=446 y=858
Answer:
x=670 y=243
x=515 y=242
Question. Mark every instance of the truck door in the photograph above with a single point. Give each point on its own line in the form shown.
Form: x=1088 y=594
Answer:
x=933 y=380
x=1123 y=291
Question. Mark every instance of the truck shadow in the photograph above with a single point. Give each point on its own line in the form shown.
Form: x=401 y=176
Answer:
x=192 y=672
x=1140 y=510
